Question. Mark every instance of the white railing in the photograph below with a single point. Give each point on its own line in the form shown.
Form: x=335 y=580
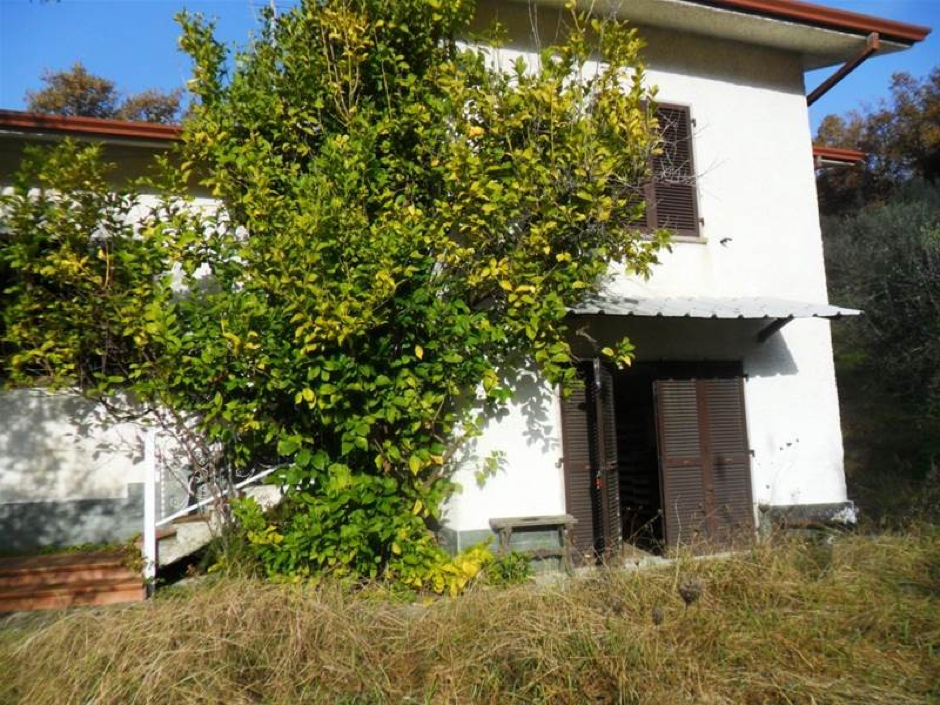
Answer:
x=158 y=484
x=150 y=508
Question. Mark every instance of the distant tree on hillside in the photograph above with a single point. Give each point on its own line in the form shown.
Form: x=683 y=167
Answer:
x=900 y=136
x=78 y=92
x=881 y=229
x=152 y=106
x=885 y=260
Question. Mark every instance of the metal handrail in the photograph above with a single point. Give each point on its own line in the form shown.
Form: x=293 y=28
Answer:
x=151 y=523
x=208 y=500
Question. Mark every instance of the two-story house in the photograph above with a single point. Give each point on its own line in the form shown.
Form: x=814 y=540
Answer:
x=730 y=414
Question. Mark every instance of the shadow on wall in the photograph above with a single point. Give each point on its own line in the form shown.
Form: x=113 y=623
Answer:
x=27 y=526
x=64 y=471
x=533 y=398
x=533 y=403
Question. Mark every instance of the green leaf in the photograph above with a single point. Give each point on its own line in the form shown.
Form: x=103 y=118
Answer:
x=287 y=446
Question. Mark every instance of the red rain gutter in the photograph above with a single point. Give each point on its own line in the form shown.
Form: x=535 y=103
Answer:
x=41 y=122
x=825 y=17
x=836 y=156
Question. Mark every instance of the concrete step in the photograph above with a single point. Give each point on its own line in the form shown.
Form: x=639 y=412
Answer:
x=189 y=535
x=192 y=532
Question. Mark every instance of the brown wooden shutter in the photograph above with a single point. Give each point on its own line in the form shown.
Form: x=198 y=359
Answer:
x=671 y=200
x=731 y=471
x=589 y=438
x=681 y=460
x=706 y=473
x=579 y=477
x=608 y=477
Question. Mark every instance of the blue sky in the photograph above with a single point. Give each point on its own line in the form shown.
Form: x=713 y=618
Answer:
x=133 y=42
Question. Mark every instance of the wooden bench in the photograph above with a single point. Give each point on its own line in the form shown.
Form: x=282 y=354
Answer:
x=562 y=523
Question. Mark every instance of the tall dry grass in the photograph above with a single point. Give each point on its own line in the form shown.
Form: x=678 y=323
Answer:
x=787 y=622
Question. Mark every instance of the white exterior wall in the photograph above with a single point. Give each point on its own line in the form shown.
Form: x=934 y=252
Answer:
x=529 y=480
x=60 y=447
x=761 y=237
x=64 y=463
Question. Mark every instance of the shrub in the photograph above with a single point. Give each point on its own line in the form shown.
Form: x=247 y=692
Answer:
x=401 y=221
x=511 y=568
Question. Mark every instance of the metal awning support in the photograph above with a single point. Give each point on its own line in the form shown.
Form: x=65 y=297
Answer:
x=772 y=328
x=778 y=312
x=872 y=44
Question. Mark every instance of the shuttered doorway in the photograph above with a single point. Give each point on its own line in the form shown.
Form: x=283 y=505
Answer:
x=696 y=413
x=705 y=461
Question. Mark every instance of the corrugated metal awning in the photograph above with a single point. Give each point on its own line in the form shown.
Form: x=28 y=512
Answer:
x=746 y=308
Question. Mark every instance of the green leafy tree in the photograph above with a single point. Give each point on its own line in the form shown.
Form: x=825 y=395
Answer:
x=402 y=222
x=80 y=93
x=885 y=260
x=880 y=236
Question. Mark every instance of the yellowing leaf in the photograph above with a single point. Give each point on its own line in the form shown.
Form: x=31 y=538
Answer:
x=419 y=351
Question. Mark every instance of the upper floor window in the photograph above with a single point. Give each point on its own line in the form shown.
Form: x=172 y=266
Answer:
x=670 y=196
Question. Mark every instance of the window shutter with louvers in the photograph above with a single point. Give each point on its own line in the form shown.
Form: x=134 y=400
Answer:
x=589 y=438
x=579 y=477
x=606 y=468
x=671 y=197
x=680 y=456
x=731 y=472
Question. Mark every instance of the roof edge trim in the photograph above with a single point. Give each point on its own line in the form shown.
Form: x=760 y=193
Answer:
x=825 y=17
x=838 y=154
x=45 y=122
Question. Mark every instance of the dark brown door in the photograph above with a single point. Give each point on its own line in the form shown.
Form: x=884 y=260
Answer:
x=592 y=492
x=706 y=474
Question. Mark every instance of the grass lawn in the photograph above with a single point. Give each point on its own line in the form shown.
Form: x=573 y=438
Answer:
x=789 y=622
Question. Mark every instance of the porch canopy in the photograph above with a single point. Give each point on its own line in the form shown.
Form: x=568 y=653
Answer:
x=778 y=312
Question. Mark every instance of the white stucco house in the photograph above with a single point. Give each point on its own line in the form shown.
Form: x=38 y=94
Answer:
x=730 y=415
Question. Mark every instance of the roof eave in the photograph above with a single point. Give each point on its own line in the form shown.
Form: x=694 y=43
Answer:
x=825 y=17
x=40 y=125
x=836 y=156
x=821 y=36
